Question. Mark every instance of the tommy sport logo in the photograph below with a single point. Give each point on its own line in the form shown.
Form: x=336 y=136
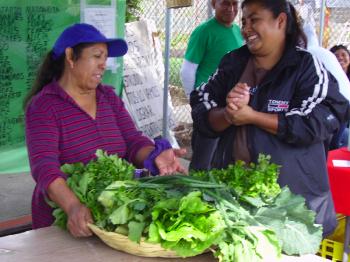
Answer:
x=277 y=106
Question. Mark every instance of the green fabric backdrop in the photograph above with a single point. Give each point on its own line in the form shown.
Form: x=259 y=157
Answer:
x=28 y=30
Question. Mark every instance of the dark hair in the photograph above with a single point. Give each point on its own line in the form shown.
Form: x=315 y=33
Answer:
x=295 y=35
x=51 y=69
x=338 y=47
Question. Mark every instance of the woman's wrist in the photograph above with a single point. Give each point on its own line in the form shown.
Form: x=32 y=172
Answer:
x=160 y=145
x=227 y=117
x=59 y=192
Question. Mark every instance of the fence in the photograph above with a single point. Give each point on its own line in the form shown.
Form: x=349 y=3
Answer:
x=332 y=21
x=184 y=20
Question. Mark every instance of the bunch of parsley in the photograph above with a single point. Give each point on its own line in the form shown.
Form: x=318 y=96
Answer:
x=252 y=180
x=88 y=181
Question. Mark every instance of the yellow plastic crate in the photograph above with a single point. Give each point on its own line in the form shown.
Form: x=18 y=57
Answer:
x=332 y=250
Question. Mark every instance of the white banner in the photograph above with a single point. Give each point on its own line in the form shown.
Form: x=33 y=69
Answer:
x=144 y=78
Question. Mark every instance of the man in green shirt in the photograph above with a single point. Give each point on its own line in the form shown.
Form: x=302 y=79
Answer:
x=208 y=43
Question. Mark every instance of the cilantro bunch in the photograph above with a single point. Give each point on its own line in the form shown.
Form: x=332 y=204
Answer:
x=88 y=181
x=253 y=180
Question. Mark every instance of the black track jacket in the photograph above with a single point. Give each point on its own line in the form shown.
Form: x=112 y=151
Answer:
x=309 y=107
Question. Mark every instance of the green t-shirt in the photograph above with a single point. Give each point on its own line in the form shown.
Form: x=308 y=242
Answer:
x=208 y=43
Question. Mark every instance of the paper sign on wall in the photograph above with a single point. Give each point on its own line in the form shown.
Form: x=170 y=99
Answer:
x=144 y=78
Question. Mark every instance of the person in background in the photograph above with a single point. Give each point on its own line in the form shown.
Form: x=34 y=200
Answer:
x=328 y=59
x=306 y=12
x=70 y=114
x=273 y=97
x=208 y=43
x=342 y=54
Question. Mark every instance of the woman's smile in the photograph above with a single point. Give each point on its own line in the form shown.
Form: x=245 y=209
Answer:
x=252 y=39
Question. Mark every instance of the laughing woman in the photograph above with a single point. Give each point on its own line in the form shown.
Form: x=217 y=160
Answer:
x=340 y=139
x=70 y=114
x=271 y=96
x=343 y=56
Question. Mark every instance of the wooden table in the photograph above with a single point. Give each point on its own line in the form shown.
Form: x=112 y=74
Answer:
x=55 y=245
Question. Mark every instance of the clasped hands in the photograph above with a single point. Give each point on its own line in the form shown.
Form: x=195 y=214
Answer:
x=237 y=111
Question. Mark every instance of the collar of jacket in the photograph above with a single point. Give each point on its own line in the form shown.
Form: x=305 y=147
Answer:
x=290 y=57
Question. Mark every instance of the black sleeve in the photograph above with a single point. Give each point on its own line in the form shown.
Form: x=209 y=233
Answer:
x=211 y=95
x=317 y=108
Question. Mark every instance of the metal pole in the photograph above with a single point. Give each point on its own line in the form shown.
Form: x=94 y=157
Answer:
x=322 y=18
x=166 y=71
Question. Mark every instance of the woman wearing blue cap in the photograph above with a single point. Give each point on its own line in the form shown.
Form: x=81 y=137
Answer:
x=70 y=114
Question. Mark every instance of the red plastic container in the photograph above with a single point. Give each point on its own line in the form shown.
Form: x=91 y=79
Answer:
x=339 y=178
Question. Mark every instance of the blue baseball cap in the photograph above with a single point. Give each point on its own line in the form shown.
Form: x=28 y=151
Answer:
x=85 y=33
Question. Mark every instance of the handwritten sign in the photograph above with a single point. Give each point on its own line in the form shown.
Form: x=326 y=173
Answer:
x=28 y=31
x=144 y=78
x=24 y=37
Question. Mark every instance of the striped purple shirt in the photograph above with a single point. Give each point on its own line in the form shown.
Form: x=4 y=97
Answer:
x=58 y=131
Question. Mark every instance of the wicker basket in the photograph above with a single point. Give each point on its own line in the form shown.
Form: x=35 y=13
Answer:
x=123 y=243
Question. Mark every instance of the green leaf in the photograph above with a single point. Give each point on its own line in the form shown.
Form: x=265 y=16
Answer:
x=139 y=206
x=267 y=245
x=186 y=231
x=70 y=169
x=192 y=203
x=83 y=183
x=135 y=230
x=169 y=204
x=295 y=206
x=189 y=227
x=293 y=223
x=108 y=196
x=140 y=217
x=298 y=240
x=122 y=229
x=254 y=201
x=120 y=215
x=60 y=218
x=153 y=234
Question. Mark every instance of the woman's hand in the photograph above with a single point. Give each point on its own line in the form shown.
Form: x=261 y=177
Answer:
x=167 y=162
x=240 y=116
x=78 y=218
x=238 y=96
x=247 y=115
x=78 y=214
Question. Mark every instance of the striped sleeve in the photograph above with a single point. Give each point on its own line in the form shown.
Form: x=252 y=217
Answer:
x=134 y=138
x=319 y=93
x=311 y=117
x=42 y=136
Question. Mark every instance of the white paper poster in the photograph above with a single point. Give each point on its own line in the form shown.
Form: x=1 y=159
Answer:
x=104 y=18
x=144 y=78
